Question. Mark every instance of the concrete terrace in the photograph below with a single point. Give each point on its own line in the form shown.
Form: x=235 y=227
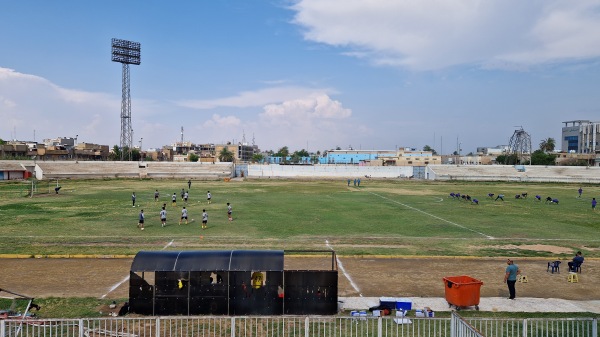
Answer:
x=117 y=169
x=569 y=174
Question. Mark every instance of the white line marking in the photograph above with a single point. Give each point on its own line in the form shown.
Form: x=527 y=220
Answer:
x=341 y=266
x=115 y=286
x=433 y=216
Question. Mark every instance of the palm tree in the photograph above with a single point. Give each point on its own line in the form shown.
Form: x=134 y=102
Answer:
x=548 y=144
x=225 y=155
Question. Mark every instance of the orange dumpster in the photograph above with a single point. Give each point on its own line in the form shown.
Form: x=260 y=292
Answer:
x=462 y=291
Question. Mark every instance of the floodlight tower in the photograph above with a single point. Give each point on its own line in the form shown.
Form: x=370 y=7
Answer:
x=126 y=53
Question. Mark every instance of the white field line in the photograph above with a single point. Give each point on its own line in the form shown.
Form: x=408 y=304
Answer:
x=341 y=266
x=433 y=216
x=115 y=286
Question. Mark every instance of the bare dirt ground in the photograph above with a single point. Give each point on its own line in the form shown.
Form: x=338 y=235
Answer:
x=358 y=276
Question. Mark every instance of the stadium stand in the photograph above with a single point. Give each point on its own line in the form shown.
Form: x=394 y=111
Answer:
x=117 y=169
x=531 y=173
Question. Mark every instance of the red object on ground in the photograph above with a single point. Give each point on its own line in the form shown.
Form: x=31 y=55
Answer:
x=462 y=291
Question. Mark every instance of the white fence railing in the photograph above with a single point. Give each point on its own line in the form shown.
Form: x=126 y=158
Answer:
x=295 y=326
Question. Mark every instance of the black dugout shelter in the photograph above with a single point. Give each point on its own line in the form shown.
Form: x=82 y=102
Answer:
x=228 y=282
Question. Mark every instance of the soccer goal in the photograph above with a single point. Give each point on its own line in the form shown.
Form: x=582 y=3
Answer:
x=38 y=187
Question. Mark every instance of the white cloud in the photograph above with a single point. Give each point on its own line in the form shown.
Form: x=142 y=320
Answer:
x=303 y=111
x=253 y=98
x=315 y=120
x=222 y=122
x=434 y=34
x=31 y=103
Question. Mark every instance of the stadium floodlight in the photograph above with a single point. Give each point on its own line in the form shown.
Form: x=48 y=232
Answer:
x=126 y=53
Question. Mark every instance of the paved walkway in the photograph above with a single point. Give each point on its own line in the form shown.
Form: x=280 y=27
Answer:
x=524 y=304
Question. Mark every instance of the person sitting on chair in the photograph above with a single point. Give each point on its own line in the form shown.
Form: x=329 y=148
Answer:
x=576 y=263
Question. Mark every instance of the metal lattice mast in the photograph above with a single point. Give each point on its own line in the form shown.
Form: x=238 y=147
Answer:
x=126 y=129
x=126 y=52
x=520 y=144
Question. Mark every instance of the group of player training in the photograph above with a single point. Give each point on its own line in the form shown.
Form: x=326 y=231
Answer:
x=538 y=197
x=184 y=211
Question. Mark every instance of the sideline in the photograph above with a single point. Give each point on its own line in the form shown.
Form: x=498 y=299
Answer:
x=116 y=285
x=433 y=216
x=341 y=266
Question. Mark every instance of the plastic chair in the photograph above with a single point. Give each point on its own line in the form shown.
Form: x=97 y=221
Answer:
x=553 y=266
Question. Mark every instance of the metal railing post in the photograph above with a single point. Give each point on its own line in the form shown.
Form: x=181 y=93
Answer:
x=379 y=327
x=157 y=326
x=306 y=327
x=232 y=326
x=595 y=327
x=524 y=327
x=81 y=327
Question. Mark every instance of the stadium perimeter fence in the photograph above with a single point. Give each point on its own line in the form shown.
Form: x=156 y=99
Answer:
x=306 y=326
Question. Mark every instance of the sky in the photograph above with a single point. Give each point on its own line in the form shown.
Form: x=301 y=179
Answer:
x=306 y=74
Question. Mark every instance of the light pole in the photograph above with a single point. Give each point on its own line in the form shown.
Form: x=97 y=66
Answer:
x=74 y=148
x=141 y=156
x=125 y=52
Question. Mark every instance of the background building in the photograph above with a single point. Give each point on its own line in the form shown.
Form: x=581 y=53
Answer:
x=580 y=136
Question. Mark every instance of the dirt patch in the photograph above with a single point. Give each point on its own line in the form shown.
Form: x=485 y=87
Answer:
x=538 y=248
x=403 y=191
x=366 y=276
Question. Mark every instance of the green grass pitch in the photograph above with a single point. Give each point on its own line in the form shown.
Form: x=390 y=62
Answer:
x=382 y=217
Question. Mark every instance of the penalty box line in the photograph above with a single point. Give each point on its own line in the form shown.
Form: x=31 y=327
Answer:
x=433 y=216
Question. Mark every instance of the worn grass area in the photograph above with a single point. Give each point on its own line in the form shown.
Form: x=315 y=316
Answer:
x=382 y=217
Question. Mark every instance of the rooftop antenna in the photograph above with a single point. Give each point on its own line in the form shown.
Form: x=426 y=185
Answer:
x=182 y=136
x=243 y=137
x=253 y=143
x=126 y=53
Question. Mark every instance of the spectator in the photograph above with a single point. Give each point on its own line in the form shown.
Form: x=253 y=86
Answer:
x=510 y=278
x=576 y=262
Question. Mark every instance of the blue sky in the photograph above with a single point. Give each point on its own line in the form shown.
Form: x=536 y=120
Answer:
x=307 y=74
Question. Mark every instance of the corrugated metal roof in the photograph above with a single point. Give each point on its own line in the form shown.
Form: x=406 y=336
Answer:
x=208 y=260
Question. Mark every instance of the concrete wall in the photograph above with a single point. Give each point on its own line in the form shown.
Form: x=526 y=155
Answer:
x=328 y=171
x=529 y=173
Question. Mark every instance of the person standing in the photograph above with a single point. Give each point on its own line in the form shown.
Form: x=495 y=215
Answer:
x=594 y=202
x=182 y=194
x=510 y=278
x=163 y=217
x=229 y=212
x=189 y=184
x=185 y=196
x=204 y=219
x=184 y=216
x=208 y=196
x=141 y=220
x=156 y=196
x=133 y=199
x=174 y=200
x=580 y=191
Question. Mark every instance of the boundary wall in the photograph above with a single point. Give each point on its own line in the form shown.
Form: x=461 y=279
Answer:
x=328 y=171
x=519 y=173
